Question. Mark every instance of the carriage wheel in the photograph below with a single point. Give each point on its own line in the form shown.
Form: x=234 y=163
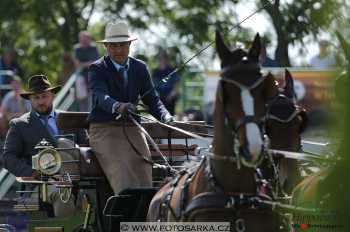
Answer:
x=80 y=228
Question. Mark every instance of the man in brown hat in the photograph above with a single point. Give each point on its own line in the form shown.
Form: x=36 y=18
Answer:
x=116 y=82
x=28 y=130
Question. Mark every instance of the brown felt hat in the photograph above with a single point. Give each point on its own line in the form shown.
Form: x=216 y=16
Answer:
x=39 y=84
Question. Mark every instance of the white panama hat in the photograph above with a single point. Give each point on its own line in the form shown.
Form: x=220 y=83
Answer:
x=116 y=33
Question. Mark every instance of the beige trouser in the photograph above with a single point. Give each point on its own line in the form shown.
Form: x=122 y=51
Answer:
x=123 y=167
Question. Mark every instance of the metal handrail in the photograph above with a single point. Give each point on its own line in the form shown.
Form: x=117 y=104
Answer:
x=64 y=99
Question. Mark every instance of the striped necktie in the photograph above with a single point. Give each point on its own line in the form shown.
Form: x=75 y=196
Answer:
x=122 y=72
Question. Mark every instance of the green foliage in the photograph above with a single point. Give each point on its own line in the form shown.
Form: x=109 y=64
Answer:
x=41 y=31
x=293 y=20
x=194 y=21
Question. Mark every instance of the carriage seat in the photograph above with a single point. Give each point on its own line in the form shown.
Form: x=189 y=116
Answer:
x=72 y=120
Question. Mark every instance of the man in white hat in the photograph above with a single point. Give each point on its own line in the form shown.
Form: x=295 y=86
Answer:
x=116 y=81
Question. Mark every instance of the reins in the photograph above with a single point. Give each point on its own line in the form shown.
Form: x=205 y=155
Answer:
x=167 y=166
x=130 y=115
x=182 y=131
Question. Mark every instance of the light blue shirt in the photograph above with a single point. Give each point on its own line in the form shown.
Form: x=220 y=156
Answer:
x=51 y=121
x=118 y=66
x=125 y=76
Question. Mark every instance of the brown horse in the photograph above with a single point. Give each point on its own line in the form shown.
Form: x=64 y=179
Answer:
x=285 y=121
x=223 y=187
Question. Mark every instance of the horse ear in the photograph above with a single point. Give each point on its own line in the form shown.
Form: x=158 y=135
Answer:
x=271 y=86
x=223 y=51
x=345 y=45
x=289 y=85
x=254 y=51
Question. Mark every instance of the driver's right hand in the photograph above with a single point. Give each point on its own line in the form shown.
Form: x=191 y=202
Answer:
x=123 y=108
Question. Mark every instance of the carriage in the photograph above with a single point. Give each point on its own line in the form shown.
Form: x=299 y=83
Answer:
x=81 y=171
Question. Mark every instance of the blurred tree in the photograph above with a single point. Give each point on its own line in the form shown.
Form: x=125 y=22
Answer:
x=181 y=26
x=41 y=31
x=292 y=20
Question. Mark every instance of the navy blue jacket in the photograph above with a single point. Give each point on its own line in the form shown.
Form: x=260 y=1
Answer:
x=106 y=85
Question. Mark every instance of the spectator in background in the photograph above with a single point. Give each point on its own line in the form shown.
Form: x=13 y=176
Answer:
x=8 y=61
x=265 y=60
x=323 y=60
x=68 y=68
x=85 y=52
x=168 y=89
x=13 y=105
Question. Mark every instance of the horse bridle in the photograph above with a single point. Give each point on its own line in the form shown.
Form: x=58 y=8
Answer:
x=245 y=120
x=297 y=110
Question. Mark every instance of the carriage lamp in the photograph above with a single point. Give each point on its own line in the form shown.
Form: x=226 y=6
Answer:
x=48 y=162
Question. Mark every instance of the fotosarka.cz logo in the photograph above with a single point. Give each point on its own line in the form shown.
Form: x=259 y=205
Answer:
x=175 y=226
x=318 y=222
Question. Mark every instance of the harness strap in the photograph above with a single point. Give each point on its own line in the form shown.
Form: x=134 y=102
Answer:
x=212 y=200
x=182 y=200
x=241 y=86
x=222 y=158
x=245 y=120
x=212 y=180
x=165 y=202
x=184 y=192
x=169 y=146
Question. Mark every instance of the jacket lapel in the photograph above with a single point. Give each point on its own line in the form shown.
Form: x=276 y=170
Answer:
x=118 y=80
x=131 y=81
x=113 y=72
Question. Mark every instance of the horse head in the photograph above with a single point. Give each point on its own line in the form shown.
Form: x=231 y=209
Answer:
x=285 y=120
x=240 y=106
